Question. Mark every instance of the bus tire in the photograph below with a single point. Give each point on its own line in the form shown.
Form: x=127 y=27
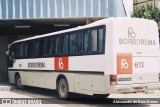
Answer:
x=63 y=88
x=18 y=83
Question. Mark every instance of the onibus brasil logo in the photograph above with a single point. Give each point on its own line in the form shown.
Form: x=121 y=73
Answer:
x=20 y=101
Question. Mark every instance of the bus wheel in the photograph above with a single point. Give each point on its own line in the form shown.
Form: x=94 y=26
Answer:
x=18 y=83
x=63 y=88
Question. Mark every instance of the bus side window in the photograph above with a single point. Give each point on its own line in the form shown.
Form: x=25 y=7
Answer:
x=36 y=48
x=21 y=51
x=80 y=42
x=94 y=40
x=39 y=47
x=100 y=39
x=55 y=45
x=65 y=44
x=72 y=43
x=28 y=49
x=48 y=46
x=86 y=41
x=42 y=47
x=17 y=50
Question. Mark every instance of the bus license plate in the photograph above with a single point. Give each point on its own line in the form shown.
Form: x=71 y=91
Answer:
x=138 y=89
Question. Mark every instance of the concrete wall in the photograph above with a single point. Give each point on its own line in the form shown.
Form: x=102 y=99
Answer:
x=3 y=61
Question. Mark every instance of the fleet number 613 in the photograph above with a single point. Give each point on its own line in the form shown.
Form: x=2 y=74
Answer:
x=139 y=64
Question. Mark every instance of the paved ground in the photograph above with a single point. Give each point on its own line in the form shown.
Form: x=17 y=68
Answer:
x=83 y=100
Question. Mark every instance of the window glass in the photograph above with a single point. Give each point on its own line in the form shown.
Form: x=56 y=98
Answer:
x=100 y=39
x=65 y=44
x=72 y=43
x=55 y=45
x=49 y=46
x=42 y=47
x=17 y=51
x=39 y=47
x=86 y=41
x=80 y=42
x=21 y=50
x=36 y=48
x=94 y=40
x=26 y=49
x=30 y=49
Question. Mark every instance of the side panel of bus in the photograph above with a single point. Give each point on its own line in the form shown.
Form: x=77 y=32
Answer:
x=84 y=76
x=85 y=73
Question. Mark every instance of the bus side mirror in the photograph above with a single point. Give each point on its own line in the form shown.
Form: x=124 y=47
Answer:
x=7 y=54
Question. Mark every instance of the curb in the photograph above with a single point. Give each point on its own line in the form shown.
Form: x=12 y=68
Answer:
x=6 y=87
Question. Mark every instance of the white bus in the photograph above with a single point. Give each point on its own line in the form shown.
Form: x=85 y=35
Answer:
x=113 y=55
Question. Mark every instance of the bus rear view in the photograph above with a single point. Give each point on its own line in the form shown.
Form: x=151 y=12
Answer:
x=135 y=49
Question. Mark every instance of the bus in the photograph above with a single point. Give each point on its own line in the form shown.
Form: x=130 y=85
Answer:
x=112 y=55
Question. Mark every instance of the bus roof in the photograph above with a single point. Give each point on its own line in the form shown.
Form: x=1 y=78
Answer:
x=97 y=23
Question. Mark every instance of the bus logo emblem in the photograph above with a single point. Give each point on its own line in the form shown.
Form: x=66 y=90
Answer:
x=61 y=63
x=131 y=33
x=124 y=64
